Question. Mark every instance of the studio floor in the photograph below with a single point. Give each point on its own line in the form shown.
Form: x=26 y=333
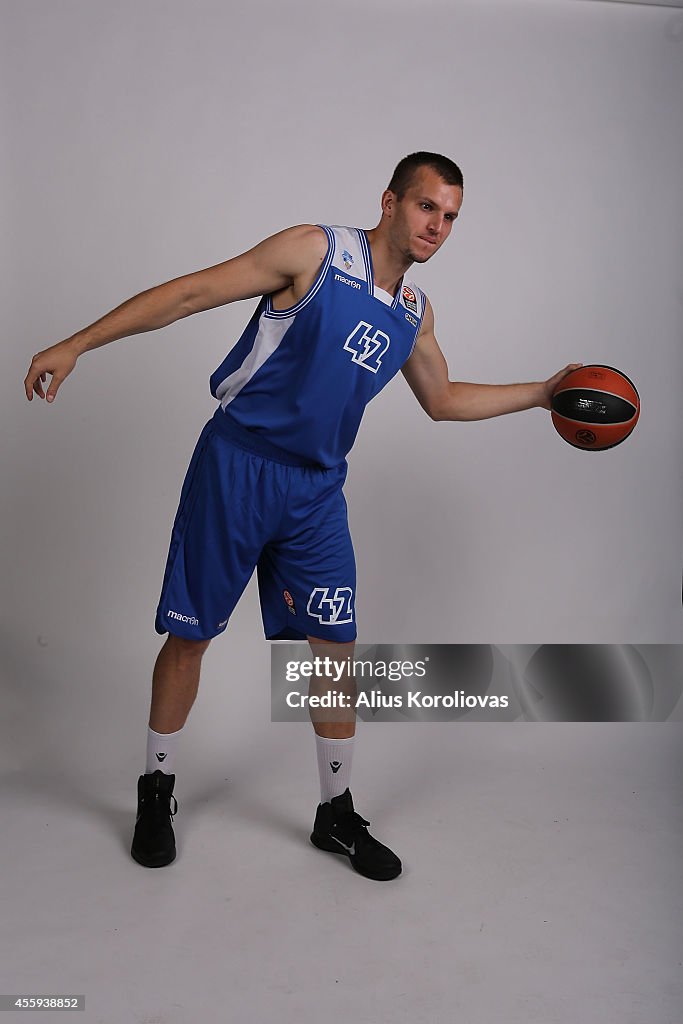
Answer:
x=541 y=879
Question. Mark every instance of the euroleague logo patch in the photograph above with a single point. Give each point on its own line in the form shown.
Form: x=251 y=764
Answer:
x=585 y=436
x=409 y=298
x=289 y=601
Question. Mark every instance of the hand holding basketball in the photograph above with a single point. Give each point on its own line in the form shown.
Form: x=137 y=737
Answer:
x=550 y=385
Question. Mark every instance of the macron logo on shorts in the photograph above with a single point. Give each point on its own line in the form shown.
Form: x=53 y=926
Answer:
x=189 y=619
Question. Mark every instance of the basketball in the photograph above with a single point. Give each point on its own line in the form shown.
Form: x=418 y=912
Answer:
x=595 y=407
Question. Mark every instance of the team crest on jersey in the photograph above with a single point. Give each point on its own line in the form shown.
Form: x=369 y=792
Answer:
x=348 y=259
x=409 y=298
x=289 y=601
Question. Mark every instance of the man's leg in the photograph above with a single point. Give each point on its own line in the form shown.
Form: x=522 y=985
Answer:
x=225 y=514
x=175 y=682
x=335 y=727
x=338 y=828
x=174 y=688
x=337 y=722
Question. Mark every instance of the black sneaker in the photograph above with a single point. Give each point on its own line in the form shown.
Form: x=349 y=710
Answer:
x=339 y=829
x=153 y=841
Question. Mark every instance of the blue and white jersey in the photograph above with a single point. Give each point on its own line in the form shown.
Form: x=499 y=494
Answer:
x=301 y=377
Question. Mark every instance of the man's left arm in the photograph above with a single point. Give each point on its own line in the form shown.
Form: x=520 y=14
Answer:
x=442 y=399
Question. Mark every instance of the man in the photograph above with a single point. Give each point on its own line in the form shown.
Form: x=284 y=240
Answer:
x=336 y=320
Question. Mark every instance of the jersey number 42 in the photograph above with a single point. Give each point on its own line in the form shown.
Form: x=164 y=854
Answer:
x=367 y=345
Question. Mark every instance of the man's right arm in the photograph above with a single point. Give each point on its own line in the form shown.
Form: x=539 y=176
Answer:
x=291 y=256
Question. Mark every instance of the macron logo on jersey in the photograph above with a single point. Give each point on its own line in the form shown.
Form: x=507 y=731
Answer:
x=346 y=280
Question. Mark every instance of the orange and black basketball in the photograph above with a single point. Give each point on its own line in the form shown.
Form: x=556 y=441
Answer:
x=595 y=407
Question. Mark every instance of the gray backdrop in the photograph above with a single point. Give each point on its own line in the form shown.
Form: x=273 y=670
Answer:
x=147 y=141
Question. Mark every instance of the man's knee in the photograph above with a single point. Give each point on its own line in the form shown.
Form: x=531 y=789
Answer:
x=183 y=648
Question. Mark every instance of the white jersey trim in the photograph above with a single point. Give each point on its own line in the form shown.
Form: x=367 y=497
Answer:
x=313 y=290
x=348 y=257
x=273 y=325
x=268 y=337
x=386 y=297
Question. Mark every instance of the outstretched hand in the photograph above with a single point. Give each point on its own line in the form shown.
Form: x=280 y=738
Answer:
x=59 y=360
x=552 y=382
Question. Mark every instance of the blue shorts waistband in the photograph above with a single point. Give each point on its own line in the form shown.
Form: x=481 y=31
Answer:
x=229 y=428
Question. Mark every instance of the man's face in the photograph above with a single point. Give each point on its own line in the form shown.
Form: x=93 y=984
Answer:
x=421 y=221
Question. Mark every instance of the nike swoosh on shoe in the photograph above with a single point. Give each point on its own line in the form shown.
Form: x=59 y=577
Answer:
x=349 y=849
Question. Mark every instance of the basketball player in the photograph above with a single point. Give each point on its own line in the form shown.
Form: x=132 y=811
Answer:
x=336 y=319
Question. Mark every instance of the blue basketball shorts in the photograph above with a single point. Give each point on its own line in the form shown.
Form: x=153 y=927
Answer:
x=246 y=504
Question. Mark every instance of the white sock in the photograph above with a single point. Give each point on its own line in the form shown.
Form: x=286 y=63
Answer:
x=334 y=765
x=161 y=748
